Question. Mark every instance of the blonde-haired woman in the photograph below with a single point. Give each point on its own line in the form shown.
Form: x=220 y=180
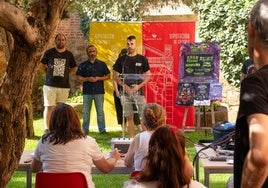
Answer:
x=153 y=116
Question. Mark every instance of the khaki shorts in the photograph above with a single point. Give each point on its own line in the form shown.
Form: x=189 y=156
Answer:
x=54 y=95
x=128 y=101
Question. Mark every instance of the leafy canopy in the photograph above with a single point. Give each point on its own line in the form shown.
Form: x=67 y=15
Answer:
x=225 y=21
x=117 y=10
x=120 y=10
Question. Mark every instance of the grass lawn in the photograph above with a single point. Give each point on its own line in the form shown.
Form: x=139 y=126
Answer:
x=111 y=180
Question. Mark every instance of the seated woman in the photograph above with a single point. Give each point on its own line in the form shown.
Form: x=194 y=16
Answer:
x=66 y=148
x=153 y=116
x=167 y=163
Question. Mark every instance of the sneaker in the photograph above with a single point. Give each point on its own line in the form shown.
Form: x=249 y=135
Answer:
x=103 y=133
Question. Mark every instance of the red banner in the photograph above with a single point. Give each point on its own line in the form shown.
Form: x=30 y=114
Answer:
x=161 y=45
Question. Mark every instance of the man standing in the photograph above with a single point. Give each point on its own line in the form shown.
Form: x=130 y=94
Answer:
x=58 y=63
x=92 y=74
x=118 y=105
x=251 y=138
x=131 y=71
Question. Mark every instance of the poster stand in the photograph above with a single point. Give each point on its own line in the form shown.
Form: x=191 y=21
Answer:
x=199 y=80
x=198 y=119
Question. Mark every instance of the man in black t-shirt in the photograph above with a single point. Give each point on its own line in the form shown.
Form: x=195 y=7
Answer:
x=118 y=105
x=131 y=71
x=251 y=136
x=57 y=63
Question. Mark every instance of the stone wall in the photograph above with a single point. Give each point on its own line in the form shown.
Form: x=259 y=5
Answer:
x=75 y=37
x=230 y=99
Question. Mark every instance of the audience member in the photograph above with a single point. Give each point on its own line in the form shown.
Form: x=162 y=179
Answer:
x=58 y=63
x=66 y=148
x=131 y=71
x=92 y=74
x=153 y=116
x=167 y=163
x=251 y=140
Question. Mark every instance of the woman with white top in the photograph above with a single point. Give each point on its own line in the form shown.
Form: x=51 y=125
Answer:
x=66 y=148
x=153 y=116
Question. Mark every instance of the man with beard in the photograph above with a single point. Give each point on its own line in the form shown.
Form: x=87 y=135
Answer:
x=57 y=63
x=92 y=74
x=132 y=73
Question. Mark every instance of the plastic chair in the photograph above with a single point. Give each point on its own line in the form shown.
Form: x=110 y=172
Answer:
x=134 y=174
x=60 y=180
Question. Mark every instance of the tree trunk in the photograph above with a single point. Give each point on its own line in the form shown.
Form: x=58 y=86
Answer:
x=31 y=31
x=14 y=88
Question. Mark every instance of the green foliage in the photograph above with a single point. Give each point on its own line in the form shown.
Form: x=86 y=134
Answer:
x=116 y=10
x=224 y=21
x=120 y=10
x=77 y=97
x=85 y=25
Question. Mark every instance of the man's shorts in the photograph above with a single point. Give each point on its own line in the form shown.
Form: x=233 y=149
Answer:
x=128 y=101
x=54 y=95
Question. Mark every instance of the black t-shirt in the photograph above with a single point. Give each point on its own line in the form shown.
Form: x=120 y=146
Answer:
x=253 y=99
x=132 y=68
x=58 y=67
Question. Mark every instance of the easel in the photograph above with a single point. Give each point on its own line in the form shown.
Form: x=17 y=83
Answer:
x=198 y=127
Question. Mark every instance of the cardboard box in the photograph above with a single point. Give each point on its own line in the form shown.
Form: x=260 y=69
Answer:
x=122 y=144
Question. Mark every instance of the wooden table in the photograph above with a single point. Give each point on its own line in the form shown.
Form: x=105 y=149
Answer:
x=25 y=165
x=210 y=167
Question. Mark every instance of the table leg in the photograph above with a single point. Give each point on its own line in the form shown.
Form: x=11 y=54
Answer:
x=29 y=178
x=197 y=168
x=206 y=174
x=198 y=118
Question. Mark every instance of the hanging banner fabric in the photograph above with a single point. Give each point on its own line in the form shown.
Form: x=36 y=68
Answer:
x=110 y=38
x=161 y=45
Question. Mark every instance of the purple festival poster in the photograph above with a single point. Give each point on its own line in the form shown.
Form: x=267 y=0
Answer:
x=199 y=62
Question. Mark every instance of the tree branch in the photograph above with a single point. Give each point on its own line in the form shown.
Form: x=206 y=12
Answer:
x=15 y=21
